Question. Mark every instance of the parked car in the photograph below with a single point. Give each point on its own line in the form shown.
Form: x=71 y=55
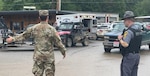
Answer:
x=111 y=38
x=101 y=30
x=72 y=33
x=104 y=28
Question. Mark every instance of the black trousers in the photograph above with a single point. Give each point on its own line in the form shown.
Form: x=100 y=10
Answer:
x=129 y=64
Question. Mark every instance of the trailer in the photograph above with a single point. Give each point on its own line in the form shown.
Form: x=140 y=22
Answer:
x=106 y=17
x=88 y=20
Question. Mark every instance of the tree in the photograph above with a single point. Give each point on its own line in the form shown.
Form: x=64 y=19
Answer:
x=1 y=4
x=11 y=4
x=18 y=4
x=142 y=8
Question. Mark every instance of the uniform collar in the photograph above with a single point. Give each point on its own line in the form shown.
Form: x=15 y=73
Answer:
x=43 y=22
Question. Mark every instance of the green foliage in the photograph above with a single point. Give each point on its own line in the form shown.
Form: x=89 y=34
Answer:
x=18 y=4
x=1 y=4
x=140 y=7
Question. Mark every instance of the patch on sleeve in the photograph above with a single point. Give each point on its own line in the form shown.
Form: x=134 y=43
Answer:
x=125 y=34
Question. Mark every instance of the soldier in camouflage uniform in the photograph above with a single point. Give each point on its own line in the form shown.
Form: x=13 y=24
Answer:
x=45 y=36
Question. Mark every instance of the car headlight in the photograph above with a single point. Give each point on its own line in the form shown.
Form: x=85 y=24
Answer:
x=106 y=37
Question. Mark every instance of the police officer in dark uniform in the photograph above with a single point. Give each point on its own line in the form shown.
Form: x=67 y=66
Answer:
x=130 y=42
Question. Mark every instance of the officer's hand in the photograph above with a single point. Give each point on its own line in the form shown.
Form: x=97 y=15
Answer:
x=9 y=40
x=64 y=56
x=120 y=37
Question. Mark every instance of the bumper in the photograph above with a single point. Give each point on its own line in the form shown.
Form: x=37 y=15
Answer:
x=100 y=36
x=109 y=44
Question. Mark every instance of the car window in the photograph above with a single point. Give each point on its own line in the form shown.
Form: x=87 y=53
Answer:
x=118 y=27
x=66 y=26
x=102 y=27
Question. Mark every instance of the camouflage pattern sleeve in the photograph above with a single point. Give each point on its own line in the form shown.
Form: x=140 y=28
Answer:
x=26 y=34
x=58 y=42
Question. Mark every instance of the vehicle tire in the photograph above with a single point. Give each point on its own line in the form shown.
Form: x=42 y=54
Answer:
x=107 y=50
x=85 y=42
x=96 y=37
x=74 y=44
x=149 y=46
x=69 y=42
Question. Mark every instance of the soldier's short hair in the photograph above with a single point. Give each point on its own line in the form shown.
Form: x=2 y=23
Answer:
x=43 y=18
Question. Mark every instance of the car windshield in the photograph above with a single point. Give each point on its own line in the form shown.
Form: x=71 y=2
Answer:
x=105 y=24
x=65 y=26
x=118 y=27
x=102 y=27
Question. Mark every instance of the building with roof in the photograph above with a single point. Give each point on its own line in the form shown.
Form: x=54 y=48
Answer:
x=18 y=20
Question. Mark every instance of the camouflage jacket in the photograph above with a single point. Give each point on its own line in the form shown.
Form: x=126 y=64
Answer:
x=45 y=37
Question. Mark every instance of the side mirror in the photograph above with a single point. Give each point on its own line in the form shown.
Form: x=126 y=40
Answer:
x=77 y=27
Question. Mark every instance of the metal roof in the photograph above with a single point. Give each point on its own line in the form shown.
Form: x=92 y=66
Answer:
x=24 y=12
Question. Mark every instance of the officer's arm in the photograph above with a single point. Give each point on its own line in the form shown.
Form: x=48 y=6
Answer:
x=128 y=35
x=123 y=43
x=26 y=34
x=58 y=42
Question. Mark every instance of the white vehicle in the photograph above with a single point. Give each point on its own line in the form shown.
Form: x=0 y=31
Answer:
x=102 y=29
x=89 y=20
x=143 y=19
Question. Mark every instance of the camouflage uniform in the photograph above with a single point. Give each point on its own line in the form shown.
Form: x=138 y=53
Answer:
x=45 y=36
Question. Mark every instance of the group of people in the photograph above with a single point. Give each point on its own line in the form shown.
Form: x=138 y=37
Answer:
x=45 y=37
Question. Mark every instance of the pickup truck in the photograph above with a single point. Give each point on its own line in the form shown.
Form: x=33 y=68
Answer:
x=111 y=38
x=4 y=32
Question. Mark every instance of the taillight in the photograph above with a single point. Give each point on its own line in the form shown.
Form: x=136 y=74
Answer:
x=101 y=30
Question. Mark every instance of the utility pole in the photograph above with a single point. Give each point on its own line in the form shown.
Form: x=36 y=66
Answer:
x=58 y=5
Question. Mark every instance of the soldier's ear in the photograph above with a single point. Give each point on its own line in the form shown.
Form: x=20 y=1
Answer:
x=39 y=18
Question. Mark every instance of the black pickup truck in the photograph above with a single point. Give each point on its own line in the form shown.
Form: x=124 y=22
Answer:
x=72 y=33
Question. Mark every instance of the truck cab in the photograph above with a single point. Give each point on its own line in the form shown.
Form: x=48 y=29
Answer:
x=72 y=33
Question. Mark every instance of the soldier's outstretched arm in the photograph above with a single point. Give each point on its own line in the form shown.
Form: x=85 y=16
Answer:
x=26 y=34
x=59 y=44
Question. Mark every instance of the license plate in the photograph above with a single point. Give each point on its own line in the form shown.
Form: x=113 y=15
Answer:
x=116 y=44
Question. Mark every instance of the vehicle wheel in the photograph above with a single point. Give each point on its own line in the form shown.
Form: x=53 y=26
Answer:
x=107 y=50
x=69 y=42
x=96 y=37
x=85 y=42
x=1 y=46
x=149 y=46
x=74 y=44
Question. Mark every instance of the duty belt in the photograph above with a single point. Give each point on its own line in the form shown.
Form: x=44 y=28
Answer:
x=134 y=52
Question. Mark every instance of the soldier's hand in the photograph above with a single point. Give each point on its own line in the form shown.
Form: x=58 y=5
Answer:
x=64 y=56
x=9 y=40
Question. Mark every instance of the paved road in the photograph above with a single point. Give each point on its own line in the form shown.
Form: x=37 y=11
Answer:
x=80 y=61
